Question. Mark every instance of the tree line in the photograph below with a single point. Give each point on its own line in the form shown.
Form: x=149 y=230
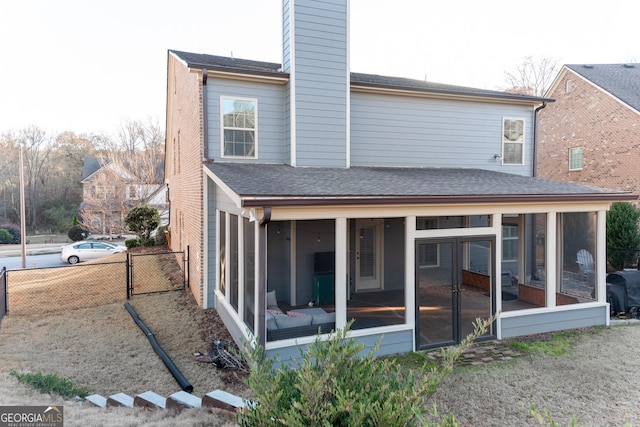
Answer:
x=53 y=167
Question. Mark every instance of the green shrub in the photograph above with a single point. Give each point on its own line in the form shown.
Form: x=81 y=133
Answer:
x=132 y=243
x=142 y=220
x=335 y=385
x=14 y=230
x=622 y=234
x=5 y=236
x=51 y=383
x=77 y=233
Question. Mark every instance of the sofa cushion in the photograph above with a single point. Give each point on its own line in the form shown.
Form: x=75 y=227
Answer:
x=271 y=319
x=284 y=322
x=323 y=318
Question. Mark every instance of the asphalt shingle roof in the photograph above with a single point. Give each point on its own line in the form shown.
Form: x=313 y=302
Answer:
x=222 y=63
x=620 y=80
x=282 y=182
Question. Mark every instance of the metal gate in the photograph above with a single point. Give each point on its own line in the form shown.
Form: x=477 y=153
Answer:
x=159 y=272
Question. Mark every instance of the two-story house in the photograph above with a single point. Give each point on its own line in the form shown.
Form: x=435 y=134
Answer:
x=110 y=190
x=310 y=196
x=591 y=134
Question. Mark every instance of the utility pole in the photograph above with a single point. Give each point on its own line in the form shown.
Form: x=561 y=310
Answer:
x=23 y=226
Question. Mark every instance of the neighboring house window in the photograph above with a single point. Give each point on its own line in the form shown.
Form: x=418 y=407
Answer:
x=509 y=242
x=100 y=192
x=512 y=141
x=133 y=194
x=239 y=133
x=575 y=159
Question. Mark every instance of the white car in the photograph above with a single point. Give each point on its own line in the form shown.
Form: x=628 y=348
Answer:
x=83 y=251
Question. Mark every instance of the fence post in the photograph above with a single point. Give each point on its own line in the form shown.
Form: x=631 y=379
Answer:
x=128 y=267
x=3 y=289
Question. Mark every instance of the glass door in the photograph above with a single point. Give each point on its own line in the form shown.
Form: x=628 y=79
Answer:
x=454 y=287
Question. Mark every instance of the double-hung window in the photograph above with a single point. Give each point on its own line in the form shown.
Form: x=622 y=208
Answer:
x=239 y=127
x=512 y=141
x=575 y=159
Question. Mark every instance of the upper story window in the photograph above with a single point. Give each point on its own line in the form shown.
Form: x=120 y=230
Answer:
x=575 y=159
x=239 y=127
x=512 y=141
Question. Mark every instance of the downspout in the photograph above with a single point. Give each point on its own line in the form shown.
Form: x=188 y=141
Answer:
x=205 y=113
x=534 y=164
x=262 y=278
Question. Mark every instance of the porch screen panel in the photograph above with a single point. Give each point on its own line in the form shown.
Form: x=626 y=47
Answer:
x=578 y=266
x=249 y=272
x=222 y=219
x=233 y=261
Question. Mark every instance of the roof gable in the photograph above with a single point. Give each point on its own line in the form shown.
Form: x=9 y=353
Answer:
x=620 y=80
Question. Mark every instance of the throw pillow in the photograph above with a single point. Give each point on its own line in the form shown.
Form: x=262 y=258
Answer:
x=272 y=301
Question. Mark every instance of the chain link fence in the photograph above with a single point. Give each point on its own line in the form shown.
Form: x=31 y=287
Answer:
x=160 y=272
x=47 y=290
x=92 y=284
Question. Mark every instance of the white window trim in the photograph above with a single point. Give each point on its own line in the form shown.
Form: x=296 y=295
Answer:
x=255 y=130
x=571 y=150
x=524 y=137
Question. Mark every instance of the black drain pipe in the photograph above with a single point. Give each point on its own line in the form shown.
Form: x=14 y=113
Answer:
x=182 y=381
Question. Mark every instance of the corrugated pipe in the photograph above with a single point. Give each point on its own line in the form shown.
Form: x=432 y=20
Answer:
x=182 y=381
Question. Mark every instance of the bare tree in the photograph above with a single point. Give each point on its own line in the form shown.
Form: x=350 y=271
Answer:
x=68 y=156
x=532 y=77
x=131 y=172
x=9 y=179
x=37 y=153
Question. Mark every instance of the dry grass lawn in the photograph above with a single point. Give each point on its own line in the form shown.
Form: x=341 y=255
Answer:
x=100 y=347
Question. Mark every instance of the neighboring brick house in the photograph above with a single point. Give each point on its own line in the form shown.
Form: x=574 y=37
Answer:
x=591 y=133
x=309 y=195
x=109 y=191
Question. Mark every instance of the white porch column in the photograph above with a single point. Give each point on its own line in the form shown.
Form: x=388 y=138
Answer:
x=341 y=282
x=550 y=261
x=601 y=256
x=410 y=272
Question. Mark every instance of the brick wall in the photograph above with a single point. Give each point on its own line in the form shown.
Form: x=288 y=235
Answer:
x=185 y=168
x=608 y=131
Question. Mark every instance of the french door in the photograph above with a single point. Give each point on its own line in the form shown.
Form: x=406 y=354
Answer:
x=454 y=286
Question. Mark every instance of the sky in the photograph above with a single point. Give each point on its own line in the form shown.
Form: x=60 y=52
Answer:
x=87 y=66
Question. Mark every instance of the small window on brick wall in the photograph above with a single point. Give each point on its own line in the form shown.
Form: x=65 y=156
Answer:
x=575 y=159
x=570 y=86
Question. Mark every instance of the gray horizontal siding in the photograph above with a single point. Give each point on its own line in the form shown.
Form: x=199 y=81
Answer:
x=271 y=118
x=556 y=321
x=392 y=343
x=390 y=130
x=321 y=86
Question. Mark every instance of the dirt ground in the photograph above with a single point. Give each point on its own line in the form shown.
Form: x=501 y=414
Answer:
x=103 y=349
